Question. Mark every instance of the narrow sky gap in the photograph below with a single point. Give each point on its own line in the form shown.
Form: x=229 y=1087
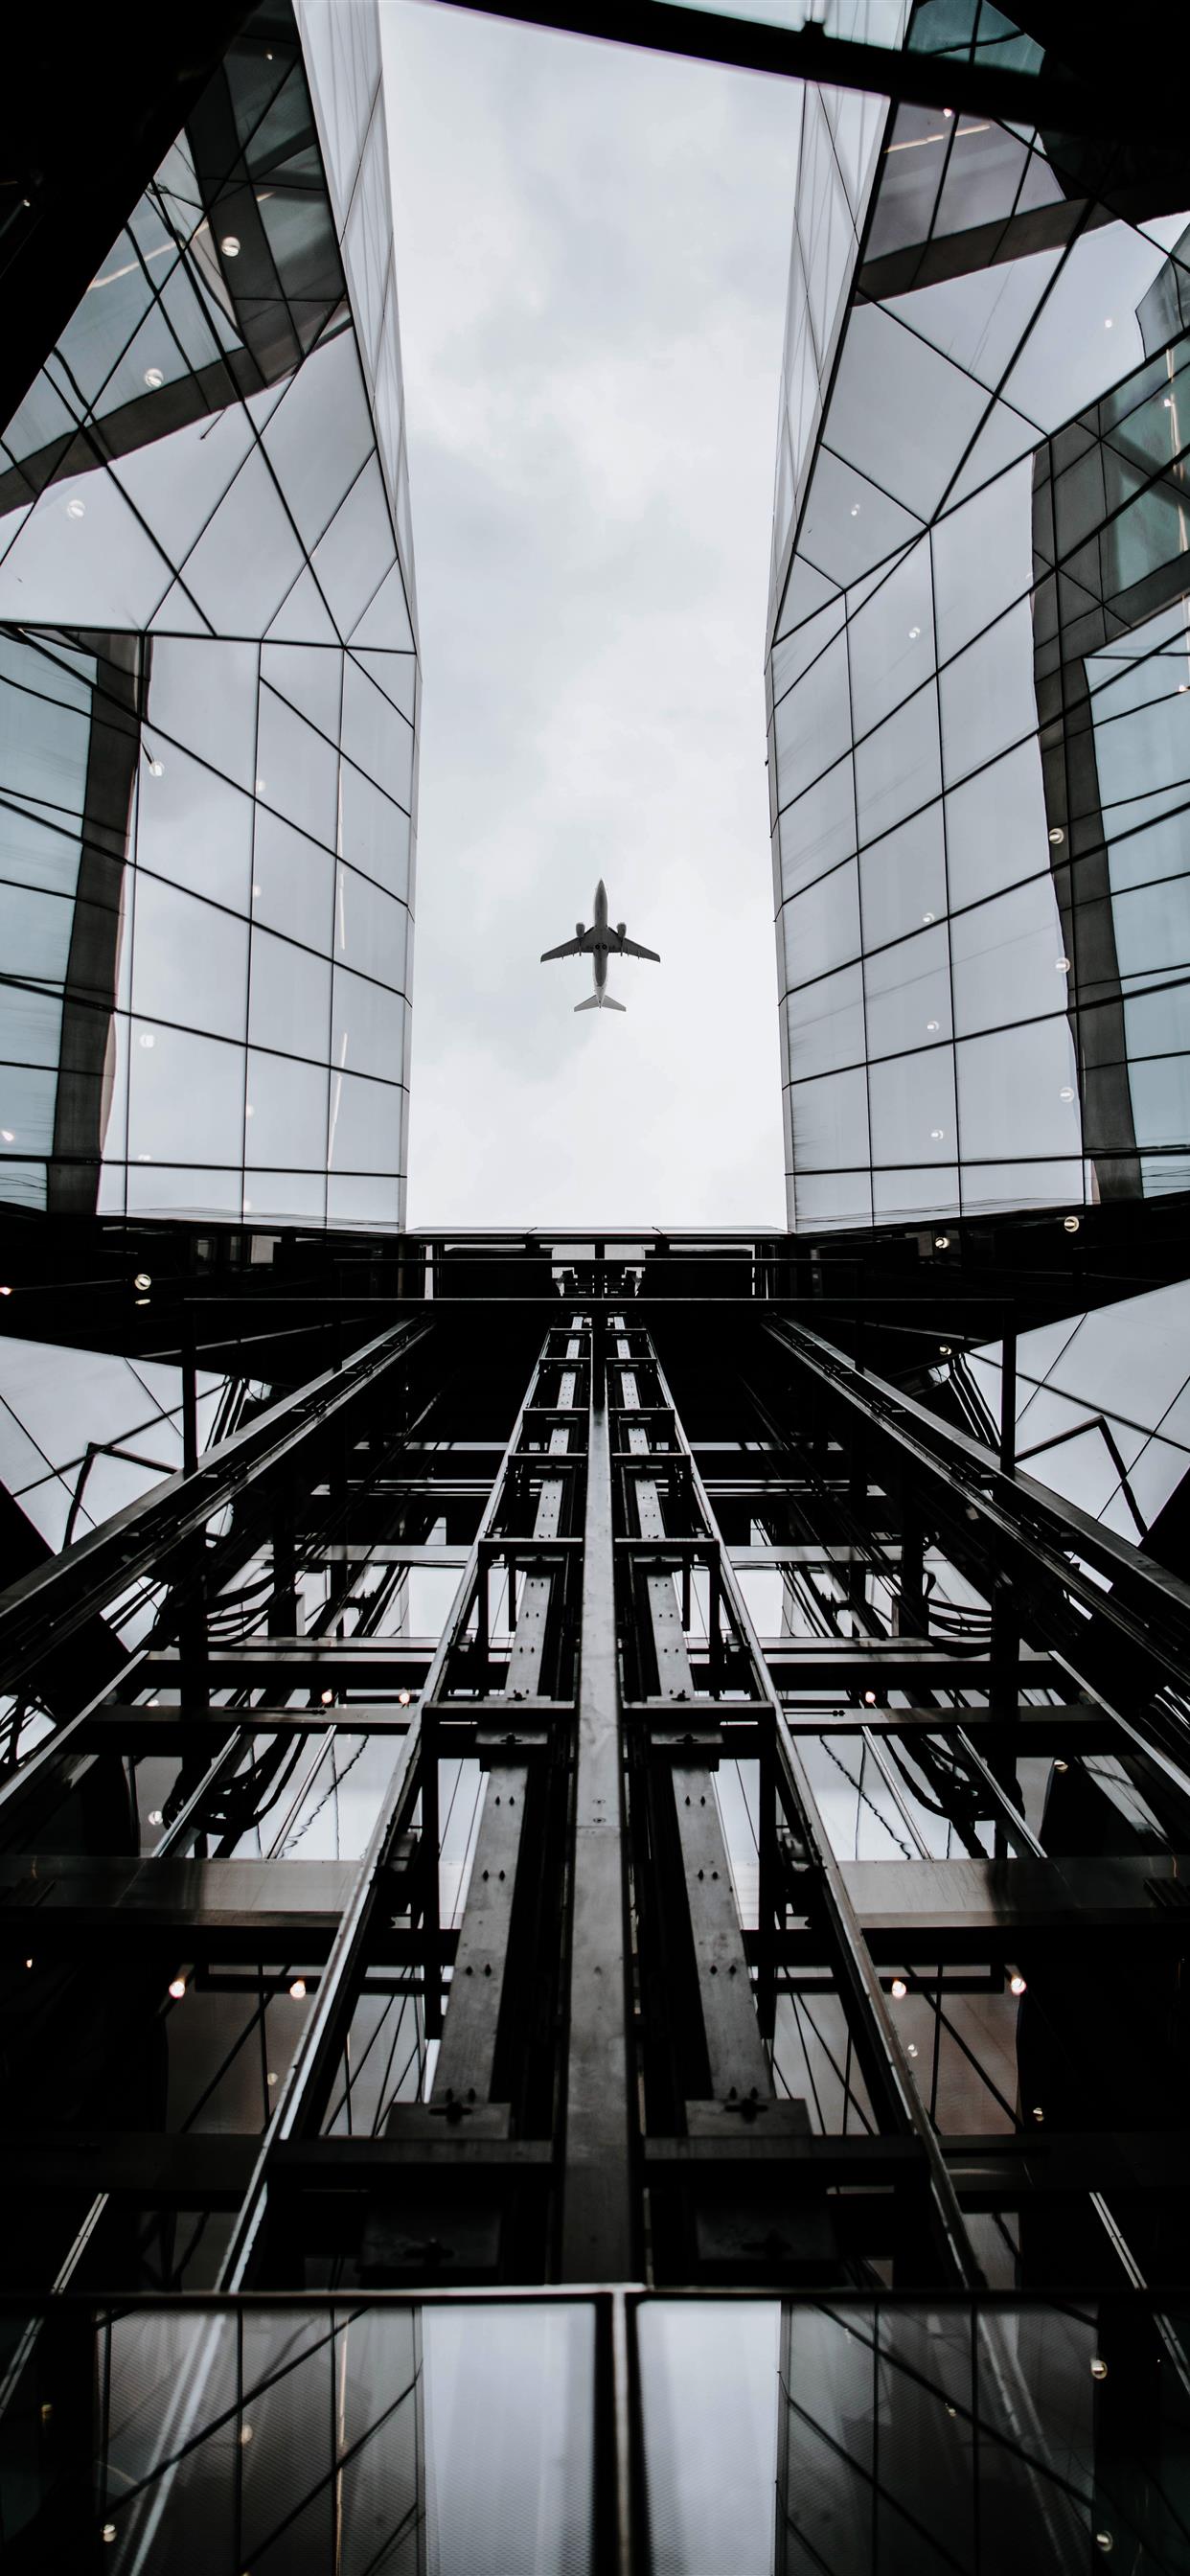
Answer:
x=592 y=249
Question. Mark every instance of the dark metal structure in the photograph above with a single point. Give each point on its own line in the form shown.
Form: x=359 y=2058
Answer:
x=606 y=1929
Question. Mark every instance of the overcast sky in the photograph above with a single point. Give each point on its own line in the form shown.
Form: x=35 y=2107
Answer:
x=592 y=247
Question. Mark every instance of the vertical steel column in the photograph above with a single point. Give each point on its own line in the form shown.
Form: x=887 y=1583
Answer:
x=598 y=2235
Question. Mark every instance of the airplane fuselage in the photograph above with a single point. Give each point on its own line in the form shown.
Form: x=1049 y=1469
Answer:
x=599 y=926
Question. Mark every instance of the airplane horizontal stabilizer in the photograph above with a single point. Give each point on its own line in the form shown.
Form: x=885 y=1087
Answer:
x=591 y=1003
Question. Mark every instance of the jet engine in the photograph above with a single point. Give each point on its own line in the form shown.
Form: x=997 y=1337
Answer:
x=580 y=929
x=621 y=927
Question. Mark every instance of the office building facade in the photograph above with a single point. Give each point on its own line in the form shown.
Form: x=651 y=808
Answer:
x=979 y=685
x=209 y=688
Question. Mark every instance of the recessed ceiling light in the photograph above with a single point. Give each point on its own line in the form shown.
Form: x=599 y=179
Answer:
x=76 y=509
x=1057 y=835
x=898 y=1990
x=869 y=1699
x=1038 y=2113
x=154 y=376
x=944 y=1350
x=1016 y=1983
x=230 y=246
x=108 y=2532
x=272 y=2077
x=9 y=1134
x=298 y=1990
x=5 y=1292
x=948 y=111
x=1098 y=2368
x=403 y=1699
x=156 y=769
x=1071 y=1224
x=142 y=1280
x=942 y=1243
x=177 y=1988
x=155 y=1816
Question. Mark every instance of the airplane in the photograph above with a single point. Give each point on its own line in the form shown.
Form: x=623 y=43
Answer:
x=603 y=940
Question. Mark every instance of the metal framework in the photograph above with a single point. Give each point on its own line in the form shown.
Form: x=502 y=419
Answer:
x=767 y=1876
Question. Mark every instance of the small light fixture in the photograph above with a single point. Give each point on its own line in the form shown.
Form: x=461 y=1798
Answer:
x=929 y=916
x=1067 y=1091
x=271 y=2076
x=1183 y=685
x=177 y=1988
x=914 y=632
x=5 y=1292
x=108 y=2532
x=142 y=1281
x=898 y=1990
x=75 y=507
x=1168 y=402
x=1061 y=965
x=1060 y=1765
x=9 y=1134
x=1038 y=2113
x=147 y=1039
x=948 y=111
x=855 y=509
x=1057 y=835
x=1016 y=1983
x=944 y=1350
x=1098 y=2366
x=245 y=2435
x=28 y=1963
x=1070 y=1224
x=249 y=1111
x=1107 y=322
x=403 y=1698
x=156 y=769
x=869 y=1699
x=937 y=1134
x=298 y=1990
x=156 y=1816
x=1105 y=2542
x=230 y=246
x=932 y=1027
x=942 y=1243
x=258 y=785
x=911 y=2048
x=154 y=376
x=327 y=1697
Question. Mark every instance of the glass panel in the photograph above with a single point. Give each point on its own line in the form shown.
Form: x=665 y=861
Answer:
x=185 y=1098
x=370 y=928
x=908 y=995
x=285 y=1113
x=913 y=1113
x=292 y=882
x=297 y=770
x=192 y=826
x=203 y=694
x=710 y=2403
x=987 y=695
x=190 y=960
x=289 y=997
x=897 y=768
x=903 y=879
x=1017 y=1093
x=367 y=1034
x=366 y=1121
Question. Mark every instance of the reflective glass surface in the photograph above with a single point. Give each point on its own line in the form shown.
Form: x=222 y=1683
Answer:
x=980 y=665
x=207 y=672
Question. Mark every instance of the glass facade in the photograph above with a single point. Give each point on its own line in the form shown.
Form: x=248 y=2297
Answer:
x=208 y=677
x=979 y=678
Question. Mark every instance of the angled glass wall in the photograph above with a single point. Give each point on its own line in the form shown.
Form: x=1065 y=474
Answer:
x=979 y=668
x=208 y=677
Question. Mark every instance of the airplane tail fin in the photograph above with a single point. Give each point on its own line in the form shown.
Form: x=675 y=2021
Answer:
x=600 y=1002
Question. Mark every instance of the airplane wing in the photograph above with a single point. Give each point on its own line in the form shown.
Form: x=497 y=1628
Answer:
x=628 y=948
x=569 y=948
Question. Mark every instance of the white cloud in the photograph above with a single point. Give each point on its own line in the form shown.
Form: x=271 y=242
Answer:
x=592 y=250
